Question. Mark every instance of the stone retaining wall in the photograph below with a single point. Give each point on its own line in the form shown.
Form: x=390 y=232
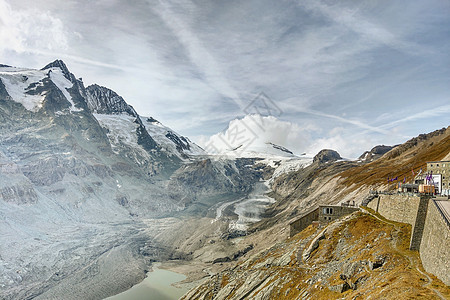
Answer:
x=430 y=231
x=434 y=249
x=303 y=222
x=399 y=208
x=329 y=213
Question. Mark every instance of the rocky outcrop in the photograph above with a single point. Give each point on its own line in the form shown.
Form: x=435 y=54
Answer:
x=18 y=194
x=233 y=256
x=180 y=142
x=375 y=153
x=326 y=155
x=60 y=65
x=281 y=148
x=76 y=91
x=3 y=93
x=102 y=100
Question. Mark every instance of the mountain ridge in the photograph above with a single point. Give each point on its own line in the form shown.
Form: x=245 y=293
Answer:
x=93 y=192
x=350 y=257
x=69 y=176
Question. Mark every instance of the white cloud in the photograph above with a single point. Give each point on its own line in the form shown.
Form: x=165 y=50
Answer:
x=30 y=29
x=346 y=145
x=425 y=114
x=253 y=132
x=351 y=18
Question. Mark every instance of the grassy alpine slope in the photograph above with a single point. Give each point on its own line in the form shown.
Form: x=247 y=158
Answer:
x=358 y=257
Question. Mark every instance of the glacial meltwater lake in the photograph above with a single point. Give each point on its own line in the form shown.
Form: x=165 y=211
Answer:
x=157 y=286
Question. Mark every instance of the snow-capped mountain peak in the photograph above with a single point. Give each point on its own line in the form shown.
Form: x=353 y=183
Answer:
x=60 y=65
x=31 y=88
x=120 y=118
x=56 y=91
x=170 y=140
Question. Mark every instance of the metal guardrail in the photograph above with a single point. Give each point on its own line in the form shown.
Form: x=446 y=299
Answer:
x=443 y=214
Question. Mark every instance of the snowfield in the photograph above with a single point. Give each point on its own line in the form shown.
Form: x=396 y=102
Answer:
x=17 y=83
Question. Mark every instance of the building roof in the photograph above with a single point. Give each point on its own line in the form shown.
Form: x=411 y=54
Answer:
x=410 y=185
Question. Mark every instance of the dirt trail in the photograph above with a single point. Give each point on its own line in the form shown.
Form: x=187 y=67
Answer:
x=412 y=261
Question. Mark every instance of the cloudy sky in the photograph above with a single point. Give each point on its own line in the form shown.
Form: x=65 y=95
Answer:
x=346 y=75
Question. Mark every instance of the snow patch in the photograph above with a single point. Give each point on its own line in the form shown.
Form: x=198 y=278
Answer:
x=121 y=130
x=283 y=165
x=57 y=76
x=159 y=133
x=17 y=83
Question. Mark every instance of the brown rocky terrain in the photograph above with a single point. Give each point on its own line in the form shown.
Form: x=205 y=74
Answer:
x=345 y=262
x=358 y=257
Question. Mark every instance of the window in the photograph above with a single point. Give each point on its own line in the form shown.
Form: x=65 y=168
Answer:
x=437 y=165
x=328 y=210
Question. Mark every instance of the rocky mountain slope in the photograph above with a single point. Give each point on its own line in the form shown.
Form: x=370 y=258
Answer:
x=91 y=193
x=80 y=172
x=360 y=256
x=375 y=153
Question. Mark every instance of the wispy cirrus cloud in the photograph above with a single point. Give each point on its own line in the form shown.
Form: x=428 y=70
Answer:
x=198 y=52
x=440 y=111
x=375 y=70
x=354 y=20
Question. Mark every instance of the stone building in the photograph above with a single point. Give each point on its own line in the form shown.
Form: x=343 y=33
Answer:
x=441 y=170
x=303 y=222
x=321 y=215
x=328 y=213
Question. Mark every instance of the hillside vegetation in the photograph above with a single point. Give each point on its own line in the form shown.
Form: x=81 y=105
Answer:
x=360 y=257
x=353 y=258
x=400 y=161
